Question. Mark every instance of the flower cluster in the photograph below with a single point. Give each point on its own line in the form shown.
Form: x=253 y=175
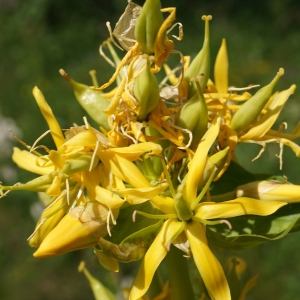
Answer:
x=158 y=149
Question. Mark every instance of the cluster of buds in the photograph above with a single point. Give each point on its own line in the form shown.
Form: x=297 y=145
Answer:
x=158 y=148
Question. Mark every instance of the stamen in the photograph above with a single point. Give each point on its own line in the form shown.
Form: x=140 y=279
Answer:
x=87 y=126
x=261 y=151
x=38 y=139
x=205 y=188
x=235 y=89
x=134 y=216
x=227 y=223
x=126 y=88
x=54 y=201
x=107 y=222
x=280 y=155
x=184 y=130
x=111 y=34
x=68 y=191
x=93 y=156
x=108 y=60
x=168 y=178
x=37 y=228
x=180 y=28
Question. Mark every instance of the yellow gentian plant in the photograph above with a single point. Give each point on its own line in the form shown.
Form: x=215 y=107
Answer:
x=147 y=183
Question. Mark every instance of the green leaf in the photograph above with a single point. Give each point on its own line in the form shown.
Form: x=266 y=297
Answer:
x=249 y=231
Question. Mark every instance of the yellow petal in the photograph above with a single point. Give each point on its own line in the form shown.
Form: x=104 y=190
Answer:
x=67 y=236
x=238 y=207
x=221 y=69
x=134 y=152
x=123 y=169
x=28 y=162
x=261 y=127
x=197 y=164
x=46 y=110
x=108 y=198
x=207 y=264
x=140 y=195
x=155 y=254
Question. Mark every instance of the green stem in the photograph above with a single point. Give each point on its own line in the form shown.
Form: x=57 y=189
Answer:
x=178 y=274
x=223 y=197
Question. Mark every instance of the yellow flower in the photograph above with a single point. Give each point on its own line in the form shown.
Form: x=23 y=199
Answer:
x=184 y=213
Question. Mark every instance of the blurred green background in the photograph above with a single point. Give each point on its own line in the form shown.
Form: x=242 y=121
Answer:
x=38 y=37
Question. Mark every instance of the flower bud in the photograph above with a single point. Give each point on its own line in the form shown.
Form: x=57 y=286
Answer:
x=146 y=91
x=82 y=163
x=49 y=219
x=218 y=161
x=270 y=190
x=221 y=69
x=148 y=24
x=79 y=229
x=90 y=100
x=194 y=116
x=201 y=63
x=252 y=107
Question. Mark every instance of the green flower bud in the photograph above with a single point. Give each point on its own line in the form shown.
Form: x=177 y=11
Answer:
x=80 y=163
x=252 y=107
x=218 y=161
x=148 y=24
x=194 y=116
x=201 y=63
x=146 y=91
x=90 y=100
x=182 y=207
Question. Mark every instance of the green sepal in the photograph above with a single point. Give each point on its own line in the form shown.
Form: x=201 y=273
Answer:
x=91 y=101
x=249 y=230
x=133 y=247
x=148 y=25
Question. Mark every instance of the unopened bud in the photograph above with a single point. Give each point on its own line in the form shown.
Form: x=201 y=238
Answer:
x=194 y=116
x=218 y=161
x=90 y=100
x=148 y=24
x=252 y=107
x=201 y=63
x=146 y=91
x=270 y=190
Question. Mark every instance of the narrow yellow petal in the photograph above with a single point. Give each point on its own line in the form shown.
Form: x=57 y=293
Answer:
x=46 y=110
x=155 y=254
x=28 y=162
x=221 y=69
x=207 y=264
x=238 y=207
x=134 y=152
x=140 y=195
x=197 y=164
x=123 y=169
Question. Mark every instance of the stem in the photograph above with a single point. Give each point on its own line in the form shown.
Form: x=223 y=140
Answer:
x=223 y=197
x=178 y=274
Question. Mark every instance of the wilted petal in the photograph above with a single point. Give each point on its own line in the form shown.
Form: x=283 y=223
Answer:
x=207 y=264
x=155 y=254
x=238 y=207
